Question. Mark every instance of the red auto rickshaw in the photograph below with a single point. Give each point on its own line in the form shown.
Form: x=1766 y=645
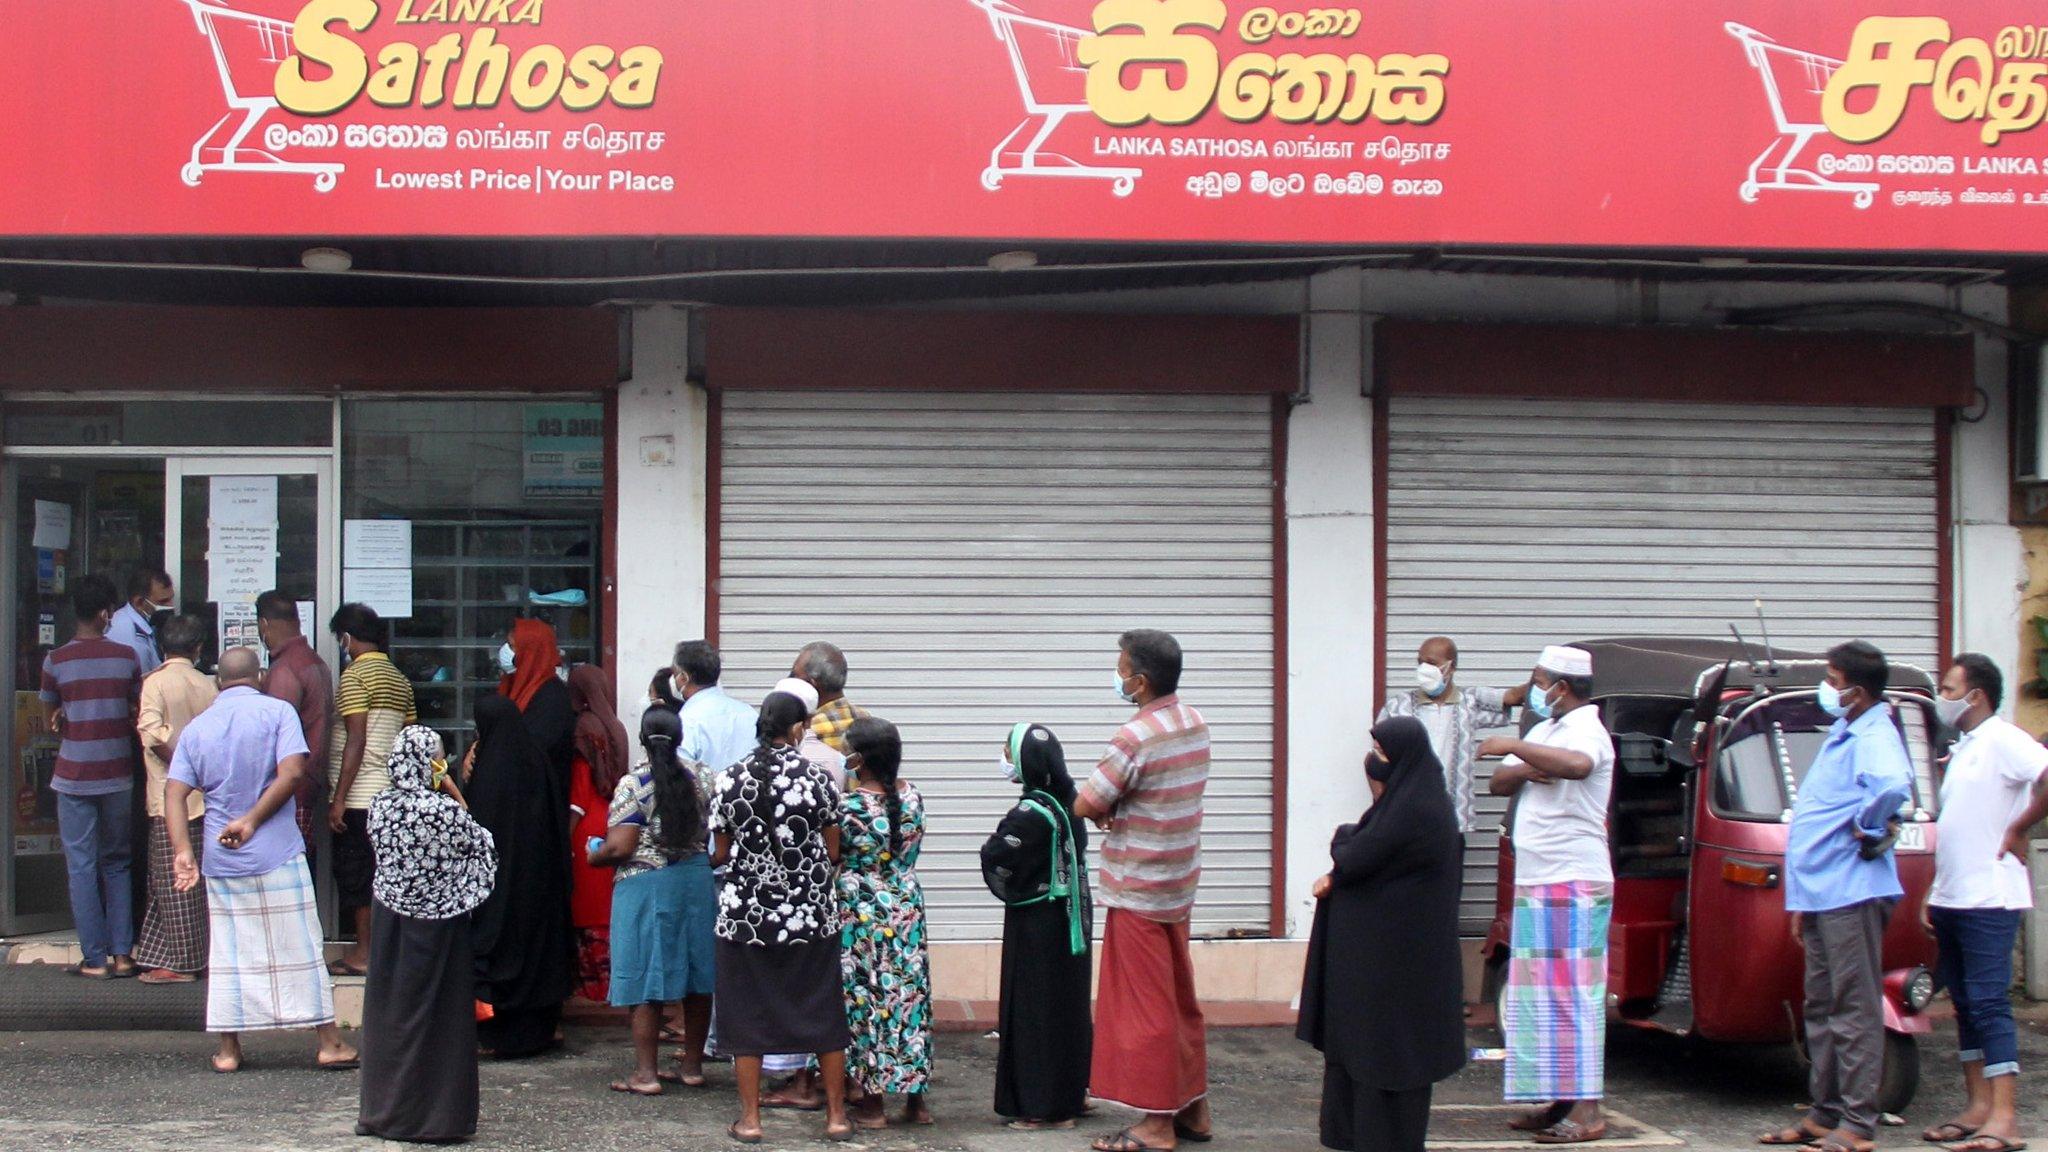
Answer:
x=1712 y=739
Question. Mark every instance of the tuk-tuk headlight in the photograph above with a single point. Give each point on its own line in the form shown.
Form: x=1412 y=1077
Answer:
x=1919 y=990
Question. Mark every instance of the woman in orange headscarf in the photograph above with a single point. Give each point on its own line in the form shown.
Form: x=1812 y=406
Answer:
x=530 y=661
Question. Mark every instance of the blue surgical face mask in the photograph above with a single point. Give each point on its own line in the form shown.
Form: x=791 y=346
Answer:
x=1121 y=680
x=505 y=658
x=1539 y=701
x=1830 y=700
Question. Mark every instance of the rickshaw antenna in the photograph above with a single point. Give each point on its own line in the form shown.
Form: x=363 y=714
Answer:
x=1748 y=653
x=1769 y=655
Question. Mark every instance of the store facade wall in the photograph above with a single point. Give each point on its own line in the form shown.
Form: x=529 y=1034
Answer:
x=319 y=453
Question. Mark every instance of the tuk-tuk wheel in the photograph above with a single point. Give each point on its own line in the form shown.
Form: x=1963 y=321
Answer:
x=1901 y=1073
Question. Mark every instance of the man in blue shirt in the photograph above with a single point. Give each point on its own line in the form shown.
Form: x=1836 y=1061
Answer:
x=1840 y=886
x=718 y=731
x=149 y=592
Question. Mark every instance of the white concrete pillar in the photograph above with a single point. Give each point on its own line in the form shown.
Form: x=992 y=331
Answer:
x=1330 y=589
x=662 y=526
x=1988 y=561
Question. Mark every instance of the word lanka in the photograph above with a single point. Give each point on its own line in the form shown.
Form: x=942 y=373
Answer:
x=408 y=74
x=1293 y=88
x=1967 y=81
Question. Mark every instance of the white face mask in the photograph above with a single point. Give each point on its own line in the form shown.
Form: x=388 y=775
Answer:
x=1430 y=679
x=1952 y=711
x=1010 y=771
x=505 y=658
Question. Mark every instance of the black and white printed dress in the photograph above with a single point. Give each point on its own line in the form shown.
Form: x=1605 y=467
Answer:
x=778 y=913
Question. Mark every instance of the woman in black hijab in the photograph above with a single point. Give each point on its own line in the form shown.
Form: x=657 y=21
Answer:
x=1037 y=865
x=1383 y=997
x=525 y=952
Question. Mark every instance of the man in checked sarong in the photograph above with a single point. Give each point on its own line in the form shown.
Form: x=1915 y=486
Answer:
x=265 y=970
x=1555 y=1010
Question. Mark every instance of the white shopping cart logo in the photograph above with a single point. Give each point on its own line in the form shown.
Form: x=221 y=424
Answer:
x=247 y=49
x=1794 y=82
x=1053 y=85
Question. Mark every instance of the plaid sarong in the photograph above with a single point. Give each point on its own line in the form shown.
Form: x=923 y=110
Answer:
x=1555 y=1008
x=174 y=925
x=266 y=969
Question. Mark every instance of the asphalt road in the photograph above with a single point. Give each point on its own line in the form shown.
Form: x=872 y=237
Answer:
x=152 y=1090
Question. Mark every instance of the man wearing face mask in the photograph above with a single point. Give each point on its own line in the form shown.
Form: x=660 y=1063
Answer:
x=1554 y=1014
x=1151 y=1043
x=1840 y=886
x=149 y=592
x=1995 y=790
x=1452 y=713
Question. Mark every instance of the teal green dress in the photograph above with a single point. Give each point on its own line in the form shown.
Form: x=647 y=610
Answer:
x=883 y=960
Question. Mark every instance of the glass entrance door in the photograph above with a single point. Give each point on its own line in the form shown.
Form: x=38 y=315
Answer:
x=235 y=527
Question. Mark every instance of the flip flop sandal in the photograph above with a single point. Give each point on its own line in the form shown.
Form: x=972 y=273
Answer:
x=1831 y=1144
x=1948 y=1133
x=1536 y=1120
x=632 y=1089
x=214 y=1060
x=166 y=976
x=1183 y=1132
x=839 y=1136
x=348 y=1065
x=80 y=970
x=1797 y=1134
x=337 y=968
x=733 y=1130
x=1989 y=1143
x=1125 y=1142
x=1038 y=1125
x=128 y=971
x=791 y=1105
x=1573 y=1132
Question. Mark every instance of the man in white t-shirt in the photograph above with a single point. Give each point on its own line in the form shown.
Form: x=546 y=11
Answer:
x=1555 y=1009
x=1995 y=789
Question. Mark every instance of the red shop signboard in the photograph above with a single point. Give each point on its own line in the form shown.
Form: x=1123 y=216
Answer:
x=1752 y=124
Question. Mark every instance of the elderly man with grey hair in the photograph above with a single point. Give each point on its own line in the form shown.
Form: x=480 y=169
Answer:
x=246 y=754
x=823 y=667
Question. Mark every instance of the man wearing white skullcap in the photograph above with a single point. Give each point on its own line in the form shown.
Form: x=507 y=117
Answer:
x=1555 y=1015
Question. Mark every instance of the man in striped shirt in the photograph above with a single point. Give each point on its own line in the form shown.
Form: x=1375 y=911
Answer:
x=1151 y=1045
x=89 y=687
x=373 y=704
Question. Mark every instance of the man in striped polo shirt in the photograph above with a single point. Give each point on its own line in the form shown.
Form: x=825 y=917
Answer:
x=1151 y=1046
x=89 y=688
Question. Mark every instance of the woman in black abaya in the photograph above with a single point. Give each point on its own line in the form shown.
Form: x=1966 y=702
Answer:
x=525 y=951
x=1036 y=863
x=1383 y=996
x=434 y=865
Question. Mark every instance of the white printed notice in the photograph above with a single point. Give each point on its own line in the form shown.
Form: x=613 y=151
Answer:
x=241 y=562
x=243 y=502
x=53 y=526
x=386 y=590
x=376 y=558
x=376 y=544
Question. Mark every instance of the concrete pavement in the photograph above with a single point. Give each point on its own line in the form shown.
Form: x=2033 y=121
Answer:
x=152 y=1090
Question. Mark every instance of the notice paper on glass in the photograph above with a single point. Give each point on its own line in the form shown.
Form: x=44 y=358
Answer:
x=306 y=619
x=238 y=628
x=241 y=562
x=376 y=544
x=387 y=590
x=53 y=526
x=243 y=501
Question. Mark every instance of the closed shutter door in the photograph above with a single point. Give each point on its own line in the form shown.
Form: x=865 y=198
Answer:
x=1515 y=524
x=976 y=556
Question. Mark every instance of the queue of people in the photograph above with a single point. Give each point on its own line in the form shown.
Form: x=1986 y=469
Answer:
x=752 y=871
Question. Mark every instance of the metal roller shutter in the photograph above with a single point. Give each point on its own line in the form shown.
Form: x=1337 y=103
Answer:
x=1512 y=524
x=977 y=555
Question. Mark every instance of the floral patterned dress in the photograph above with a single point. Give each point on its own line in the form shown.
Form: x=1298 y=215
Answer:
x=882 y=945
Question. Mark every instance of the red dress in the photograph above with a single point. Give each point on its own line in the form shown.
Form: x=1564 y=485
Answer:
x=590 y=889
